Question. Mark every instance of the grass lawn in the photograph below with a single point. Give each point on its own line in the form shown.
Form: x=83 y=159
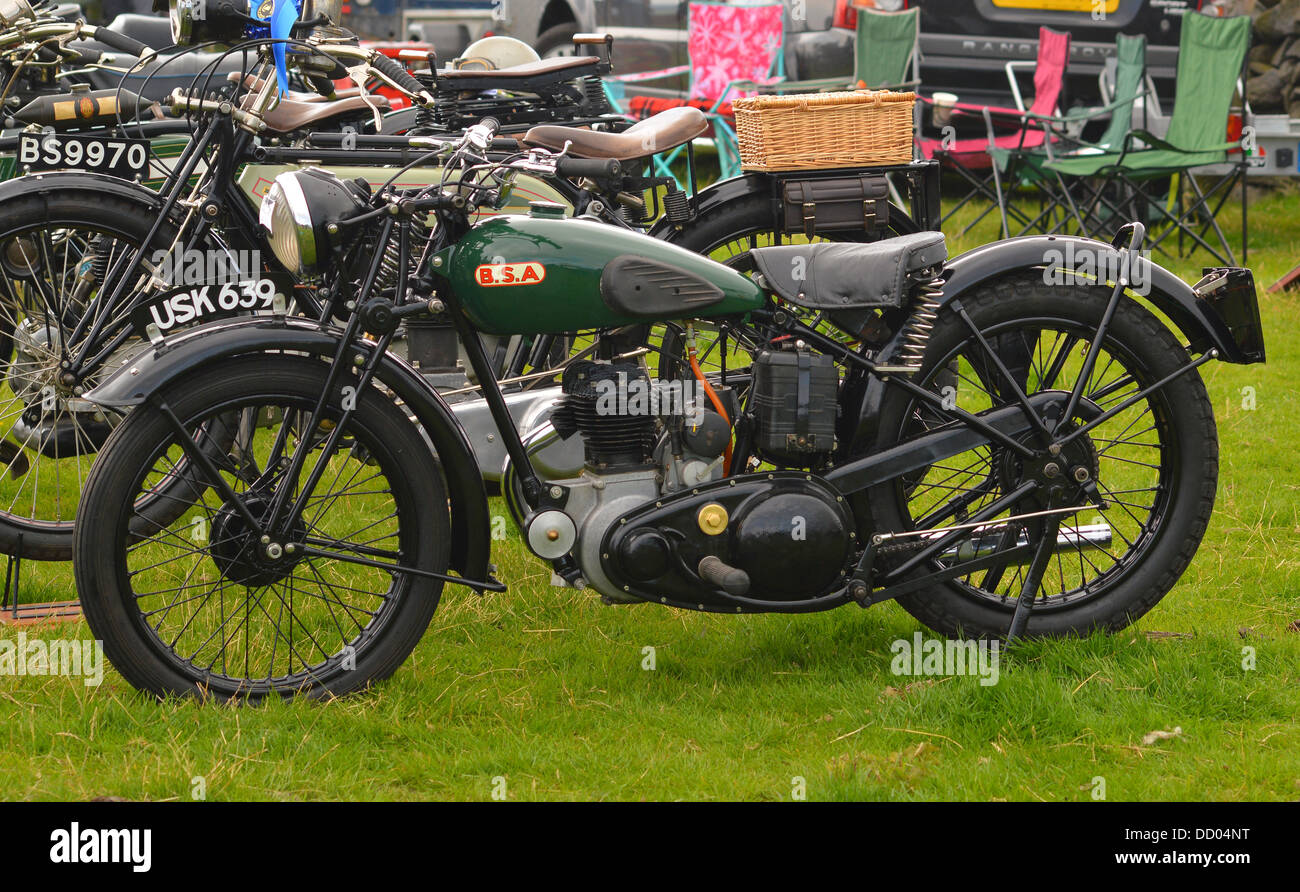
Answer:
x=543 y=693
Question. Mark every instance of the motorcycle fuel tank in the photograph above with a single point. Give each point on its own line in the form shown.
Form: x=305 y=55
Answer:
x=540 y=274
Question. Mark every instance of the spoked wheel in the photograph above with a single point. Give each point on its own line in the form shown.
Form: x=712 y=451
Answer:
x=54 y=255
x=1154 y=466
x=207 y=604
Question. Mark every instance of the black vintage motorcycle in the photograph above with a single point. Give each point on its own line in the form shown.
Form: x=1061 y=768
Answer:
x=1031 y=452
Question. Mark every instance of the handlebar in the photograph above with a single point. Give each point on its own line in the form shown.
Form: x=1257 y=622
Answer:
x=393 y=71
x=481 y=135
x=121 y=42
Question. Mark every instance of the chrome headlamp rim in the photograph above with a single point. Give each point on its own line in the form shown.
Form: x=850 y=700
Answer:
x=287 y=192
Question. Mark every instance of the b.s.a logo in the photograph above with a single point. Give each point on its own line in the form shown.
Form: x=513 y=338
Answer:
x=492 y=275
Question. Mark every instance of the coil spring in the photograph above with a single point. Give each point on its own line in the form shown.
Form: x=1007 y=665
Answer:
x=920 y=326
x=388 y=266
x=597 y=100
x=677 y=207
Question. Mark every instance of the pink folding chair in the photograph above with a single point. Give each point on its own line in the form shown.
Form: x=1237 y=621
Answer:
x=971 y=157
x=733 y=50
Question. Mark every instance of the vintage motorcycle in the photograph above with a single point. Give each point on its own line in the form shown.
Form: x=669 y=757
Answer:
x=1032 y=452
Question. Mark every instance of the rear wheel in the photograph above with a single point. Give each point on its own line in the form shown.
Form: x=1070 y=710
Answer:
x=202 y=605
x=1155 y=465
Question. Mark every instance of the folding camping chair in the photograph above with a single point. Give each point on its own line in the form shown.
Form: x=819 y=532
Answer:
x=733 y=49
x=886 y=54
x=1122 y=83
x=1211 y=54
x=972 y=156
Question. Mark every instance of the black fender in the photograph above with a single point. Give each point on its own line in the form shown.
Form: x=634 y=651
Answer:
x=1195 y=319
x=717 y=195
x=1201 y=326
x=59 y=180
x=200 y=347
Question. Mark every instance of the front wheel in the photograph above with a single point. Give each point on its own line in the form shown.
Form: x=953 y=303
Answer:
x=203 y=605
x=1155 y=465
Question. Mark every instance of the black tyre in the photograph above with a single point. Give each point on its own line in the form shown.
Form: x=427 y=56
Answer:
x=200 y=607
x=1155 y=464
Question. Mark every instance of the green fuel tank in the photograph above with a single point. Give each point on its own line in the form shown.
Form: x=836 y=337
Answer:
x=544 y=274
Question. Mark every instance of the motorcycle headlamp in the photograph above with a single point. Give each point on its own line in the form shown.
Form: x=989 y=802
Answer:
x=299 y=211
x=225 y=21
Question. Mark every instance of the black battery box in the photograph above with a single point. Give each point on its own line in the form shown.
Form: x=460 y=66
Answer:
x=794 y=405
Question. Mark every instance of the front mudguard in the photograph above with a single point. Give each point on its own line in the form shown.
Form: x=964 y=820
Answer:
x=206 y=345
x=1195 y=318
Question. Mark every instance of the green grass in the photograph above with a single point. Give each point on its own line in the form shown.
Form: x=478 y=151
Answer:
x=546 y=687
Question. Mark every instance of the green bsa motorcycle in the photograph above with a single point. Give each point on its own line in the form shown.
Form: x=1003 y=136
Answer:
x=1029 y=451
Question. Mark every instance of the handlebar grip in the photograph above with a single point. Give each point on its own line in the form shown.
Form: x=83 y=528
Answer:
x=394 y=71
x=591 y=168
x=86 y=57
x=121 y=42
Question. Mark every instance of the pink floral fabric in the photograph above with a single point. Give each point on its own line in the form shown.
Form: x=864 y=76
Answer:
x=730 y=43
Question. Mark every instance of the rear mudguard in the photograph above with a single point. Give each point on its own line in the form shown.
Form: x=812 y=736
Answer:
x=200 y=347
x=1194 y=318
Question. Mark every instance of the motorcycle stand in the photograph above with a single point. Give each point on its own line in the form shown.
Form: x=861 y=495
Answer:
x=1037 y=567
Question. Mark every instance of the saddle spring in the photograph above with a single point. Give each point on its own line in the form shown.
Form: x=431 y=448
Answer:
x=920 y=326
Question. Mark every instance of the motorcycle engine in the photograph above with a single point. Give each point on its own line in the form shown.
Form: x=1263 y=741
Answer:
x=631 y=458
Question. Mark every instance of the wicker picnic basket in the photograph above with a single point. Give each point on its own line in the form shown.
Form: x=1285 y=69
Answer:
x=815 y=131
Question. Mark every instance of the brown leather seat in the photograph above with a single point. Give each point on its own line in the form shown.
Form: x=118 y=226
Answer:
x=528 y=69
x=293 y=114
x=657 y=133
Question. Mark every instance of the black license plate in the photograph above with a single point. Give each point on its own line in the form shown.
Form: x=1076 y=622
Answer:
x=116 y=156
x=195 y=304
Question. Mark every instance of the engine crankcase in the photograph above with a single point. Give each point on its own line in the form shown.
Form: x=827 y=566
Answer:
x=792 y=534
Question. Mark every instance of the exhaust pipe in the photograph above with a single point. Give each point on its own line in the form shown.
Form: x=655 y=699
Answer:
x=987 y=541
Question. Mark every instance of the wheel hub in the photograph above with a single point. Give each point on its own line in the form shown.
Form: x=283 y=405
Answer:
x=246 y=557
x=1060 y=472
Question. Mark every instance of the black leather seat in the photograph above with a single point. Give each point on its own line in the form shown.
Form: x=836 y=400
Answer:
x=840 y=276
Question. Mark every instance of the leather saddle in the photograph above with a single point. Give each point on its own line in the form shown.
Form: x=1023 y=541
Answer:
x=300 y=111
x=842 y=276
x=657 y=133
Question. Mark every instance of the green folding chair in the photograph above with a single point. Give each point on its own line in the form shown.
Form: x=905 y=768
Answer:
x=1211 y=55
x=1060 y=202
x=886 y=55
